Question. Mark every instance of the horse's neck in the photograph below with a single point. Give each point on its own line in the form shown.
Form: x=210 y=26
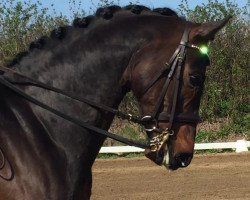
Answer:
x=93 y=74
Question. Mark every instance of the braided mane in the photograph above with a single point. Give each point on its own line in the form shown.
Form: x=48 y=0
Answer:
x=109 y=11
x=104 y=12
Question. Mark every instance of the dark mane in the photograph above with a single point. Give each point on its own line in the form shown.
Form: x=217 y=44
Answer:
x=104 y=12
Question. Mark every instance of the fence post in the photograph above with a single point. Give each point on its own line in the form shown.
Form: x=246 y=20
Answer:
x=241 y=146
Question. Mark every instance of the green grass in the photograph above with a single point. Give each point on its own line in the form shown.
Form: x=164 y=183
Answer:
x=124 y=155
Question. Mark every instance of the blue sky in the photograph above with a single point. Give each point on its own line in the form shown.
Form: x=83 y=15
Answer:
x=63 y=6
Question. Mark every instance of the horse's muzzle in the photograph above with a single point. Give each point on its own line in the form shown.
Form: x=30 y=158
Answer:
x=163 y=157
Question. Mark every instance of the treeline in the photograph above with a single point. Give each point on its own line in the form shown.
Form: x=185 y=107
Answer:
x=226 y=92
x=227 y=88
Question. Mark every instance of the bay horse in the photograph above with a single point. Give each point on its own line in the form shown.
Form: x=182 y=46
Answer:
x=153 y=53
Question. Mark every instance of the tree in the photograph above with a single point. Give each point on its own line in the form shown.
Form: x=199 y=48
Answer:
x=21 y=23
x=227 y=84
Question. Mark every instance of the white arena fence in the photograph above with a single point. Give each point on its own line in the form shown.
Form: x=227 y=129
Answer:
x=238 y=146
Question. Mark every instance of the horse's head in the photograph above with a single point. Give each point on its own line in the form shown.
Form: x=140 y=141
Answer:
x=169 y=93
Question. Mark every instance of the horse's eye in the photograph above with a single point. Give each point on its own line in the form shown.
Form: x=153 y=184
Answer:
x=195 y=80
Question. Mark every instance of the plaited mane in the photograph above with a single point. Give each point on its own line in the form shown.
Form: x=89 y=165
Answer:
x=105 y=13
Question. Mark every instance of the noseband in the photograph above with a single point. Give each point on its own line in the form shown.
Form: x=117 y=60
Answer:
x=10 y=78
x=176 y=65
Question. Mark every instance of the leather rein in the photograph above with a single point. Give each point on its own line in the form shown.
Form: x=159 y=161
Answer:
x=10 y=78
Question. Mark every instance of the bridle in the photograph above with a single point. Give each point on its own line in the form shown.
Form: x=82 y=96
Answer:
x=11 y=78
x=176 y=64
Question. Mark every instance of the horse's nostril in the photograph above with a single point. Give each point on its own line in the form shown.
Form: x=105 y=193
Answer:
x=183 y=159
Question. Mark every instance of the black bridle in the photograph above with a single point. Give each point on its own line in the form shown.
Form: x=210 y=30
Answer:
x=11 y=78
x=176 y=65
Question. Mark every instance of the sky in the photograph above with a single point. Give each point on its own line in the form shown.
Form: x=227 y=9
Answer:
x=63 y=6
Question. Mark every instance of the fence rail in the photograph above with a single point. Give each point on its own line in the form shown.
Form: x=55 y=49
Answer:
x=239 y=146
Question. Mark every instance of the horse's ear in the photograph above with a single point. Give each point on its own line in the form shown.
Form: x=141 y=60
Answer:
x=208 y=30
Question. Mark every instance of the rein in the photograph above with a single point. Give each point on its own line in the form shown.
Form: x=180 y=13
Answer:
x=9 y=84
x=10 y=78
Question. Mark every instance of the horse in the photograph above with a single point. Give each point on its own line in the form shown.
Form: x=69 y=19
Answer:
x=154 y=53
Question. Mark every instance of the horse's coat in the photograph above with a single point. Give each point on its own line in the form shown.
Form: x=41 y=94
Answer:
x=99 y=58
